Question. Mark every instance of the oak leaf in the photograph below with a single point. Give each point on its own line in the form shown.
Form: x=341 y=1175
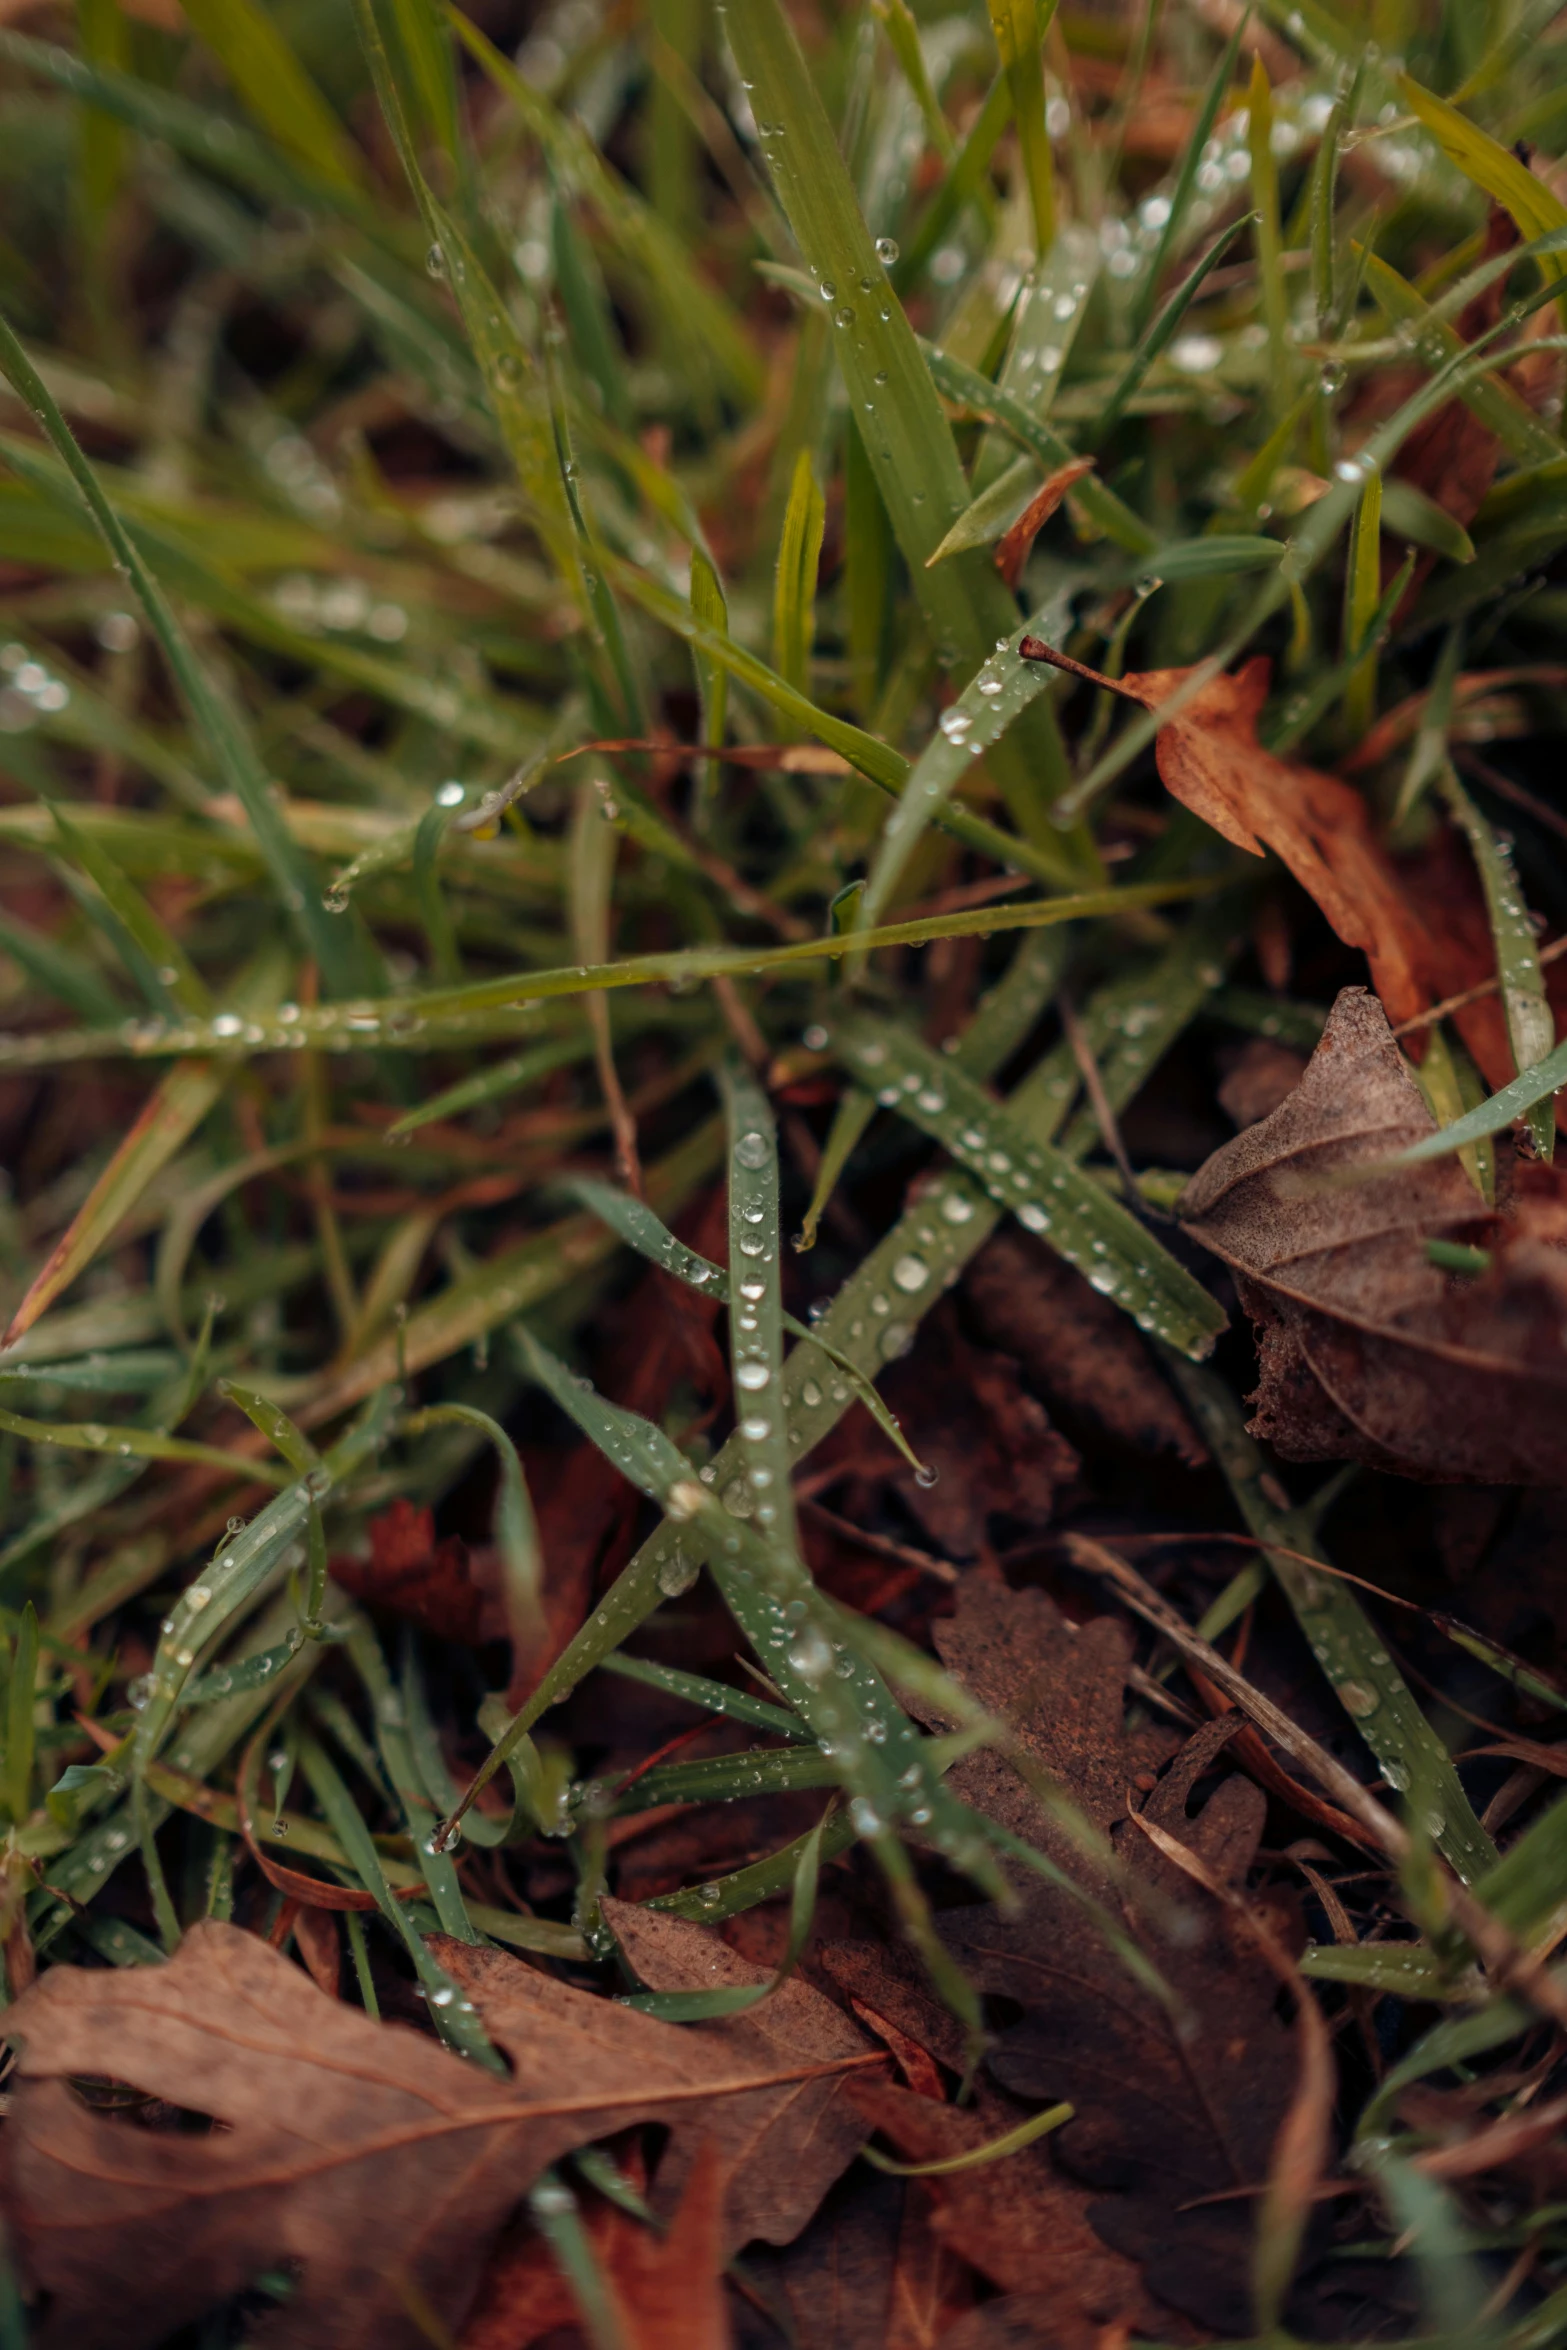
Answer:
x=783 y=2149
x=360 y=2156
x=1368 y=1351
x=1170 y=2107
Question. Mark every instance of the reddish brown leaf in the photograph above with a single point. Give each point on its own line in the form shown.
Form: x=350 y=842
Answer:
x=782 y=2151
x=1016 y=544
x=437 y=1583
x=1210 y=758
x=362 y=2154
x=1368 y=1351
x=1018 y=2221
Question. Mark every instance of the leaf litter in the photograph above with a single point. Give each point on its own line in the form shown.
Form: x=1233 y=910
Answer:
x=629 y=634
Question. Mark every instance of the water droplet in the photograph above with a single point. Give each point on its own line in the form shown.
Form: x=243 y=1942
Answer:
x=1358 y=1699
x=684 y=1498
x=752 y=1376
x=751 y=1150
x=957 y=1208
x=677 y=1574
x=810 y=1655
x=910 y=1273
x=435 y=261
x=864 y=1817
x=926 y=1476
x=887 y=251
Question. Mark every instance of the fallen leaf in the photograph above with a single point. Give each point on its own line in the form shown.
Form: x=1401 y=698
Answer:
x=1209 y=757
x=1001 y=1467
x=1260 y=1075
x=359 y=2154
x=1075 y=1345
x=834 y=2286
x=666 y=2290
x=1368 y=1351
x=436 y=1581
x=1169 y=2108
x=784 y=2150
x=1018 y=2221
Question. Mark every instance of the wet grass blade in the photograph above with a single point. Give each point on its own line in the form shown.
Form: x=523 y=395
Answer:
x=1346 y=1644
x=1020 y=27
x=213 y=714
x=1069 y=1211
x=1531 y=1024
x=1495 y=1115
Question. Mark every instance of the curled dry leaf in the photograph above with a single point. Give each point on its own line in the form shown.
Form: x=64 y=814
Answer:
x=1369 y=1351
x=1016 y=543
x=1209 y=757
x=361 y=2155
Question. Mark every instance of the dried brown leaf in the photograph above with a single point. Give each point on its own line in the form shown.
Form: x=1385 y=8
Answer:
x=1368 y=1351
x=1210 y=758
x=1018 y=2221
x=360 y=2154
x=782 y=2150
x=1016 y=543
x=1170 y=2107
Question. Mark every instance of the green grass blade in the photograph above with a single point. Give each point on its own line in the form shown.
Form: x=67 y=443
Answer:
x=1186 y=179
x=1155 y=339
x=1531 y=1024
x=212 y=713
x=713 y=1697
x=794 y=581
x=20 y=1735
x=756 y=1305
x=1070 y=1212
x=275 y=87
x=1344 y=1641
x=1020 y=27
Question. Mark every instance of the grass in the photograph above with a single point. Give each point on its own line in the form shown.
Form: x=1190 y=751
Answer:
x=505 y=680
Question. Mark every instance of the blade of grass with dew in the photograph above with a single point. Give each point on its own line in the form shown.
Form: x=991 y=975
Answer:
x=714 y=1697
x=907 y=439
x=967 y=388
x=1531 y=1024
x=213 y=714
x=989 y=705
x=879 y=1757
x=690 y=2007
x=650 y=249
x=425 y=1022
x=418 y=1808
x=240 y=1567
x=452 y=2013
x=1493 y=1116
x=1067 y=1210
x=1157 y=337
x=1185 y=188
x=948 y=1226
x=511 y=376
x=634 y=1222
x=1448 y=1097
x=1495 y=403
x=903 y=38
x=1345 y=1643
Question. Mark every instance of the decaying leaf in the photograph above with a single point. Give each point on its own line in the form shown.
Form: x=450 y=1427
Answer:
x=1018 y=2221
x=666 y=2290
x=781 y=2151
x=434 y=1580
x=360 y=2155
x=1171 y=2107
x=1369 y=1351
x=1209 y=757
x=1075 y=1345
